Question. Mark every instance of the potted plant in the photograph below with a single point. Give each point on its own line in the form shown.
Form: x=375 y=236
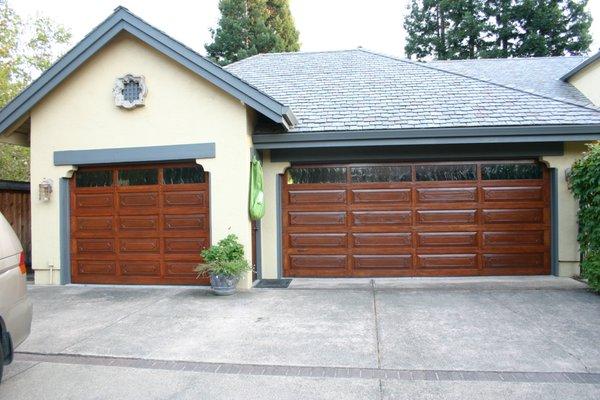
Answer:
x=224 y=263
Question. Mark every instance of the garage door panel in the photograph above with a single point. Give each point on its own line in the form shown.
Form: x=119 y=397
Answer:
x=317 y=196
x=513 y=194
x=139 y=245
x=447 y=195
x=516 y=260
x=140 y=268
x=96 y=225
x=135 y=200
x=512 y=216
x=469 y=218
x=185 y=245
x=446 y=261
x=387 y=239
x=138 y=223
x=318 y=262
x=95 y=245
x=514 y=238
x=96 y=267
x=186 y=222
x=445 y=239
x=383 y=261
x=381 y=218
x=318 y=240
x=94 y=201
x=185 y=199
x=180 y=269
x=310 y=218
x=374 y=196
x=452 y=217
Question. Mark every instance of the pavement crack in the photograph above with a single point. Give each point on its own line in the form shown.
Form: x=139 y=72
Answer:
x=376 y=317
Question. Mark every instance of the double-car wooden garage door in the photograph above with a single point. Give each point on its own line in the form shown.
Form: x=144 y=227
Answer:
x=139 y=224
x=426 y=219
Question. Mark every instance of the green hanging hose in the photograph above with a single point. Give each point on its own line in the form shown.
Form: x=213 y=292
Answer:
x=257 y=197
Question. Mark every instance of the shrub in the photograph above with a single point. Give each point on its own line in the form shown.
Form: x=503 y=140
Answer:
x=224 y=258
x=584 y=182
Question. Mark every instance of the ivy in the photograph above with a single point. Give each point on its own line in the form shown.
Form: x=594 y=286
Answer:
x=584 y=182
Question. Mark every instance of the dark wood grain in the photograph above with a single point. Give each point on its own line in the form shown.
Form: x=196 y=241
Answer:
x=148 y=234
x=434 y=228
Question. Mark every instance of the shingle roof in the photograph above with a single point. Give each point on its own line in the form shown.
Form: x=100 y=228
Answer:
x=534 y=74
x=361 y=90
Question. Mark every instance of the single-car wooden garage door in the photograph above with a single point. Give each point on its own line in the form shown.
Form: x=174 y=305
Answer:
x=426 y=219
x=139 y=224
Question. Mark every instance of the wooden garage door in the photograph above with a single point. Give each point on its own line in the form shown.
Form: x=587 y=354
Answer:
x=139 y=224
x=429 y=219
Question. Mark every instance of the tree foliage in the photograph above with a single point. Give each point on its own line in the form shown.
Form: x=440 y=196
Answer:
x=249 y=27
x=584 y=182
x=27 y=48
x=459 y=29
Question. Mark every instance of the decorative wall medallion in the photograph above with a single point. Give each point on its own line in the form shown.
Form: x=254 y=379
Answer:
x=130 y=91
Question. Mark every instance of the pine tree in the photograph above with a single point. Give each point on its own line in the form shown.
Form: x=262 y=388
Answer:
x=281 y=21
x=249 y=27
x=458 y=29
x=553 y=27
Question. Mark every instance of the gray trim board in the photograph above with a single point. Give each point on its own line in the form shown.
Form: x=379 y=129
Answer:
x=580 y=66
x=123 y=20
x=391 y=137
x=554 y=265
x=279 y=215
x=64 y=231
x=176 y=152
x=406 y=153
x=15 y=185
x=258 y=250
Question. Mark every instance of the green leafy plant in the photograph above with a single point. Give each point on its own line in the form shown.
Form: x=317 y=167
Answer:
x=584 y=182
x=224 y=258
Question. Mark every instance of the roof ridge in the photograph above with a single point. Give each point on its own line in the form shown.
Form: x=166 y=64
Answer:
x=487 y=81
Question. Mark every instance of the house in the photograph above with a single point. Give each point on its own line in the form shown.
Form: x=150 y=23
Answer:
x=373 y=165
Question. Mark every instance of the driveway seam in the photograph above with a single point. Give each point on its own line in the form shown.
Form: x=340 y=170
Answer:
x=376 y=317
x=314 y=371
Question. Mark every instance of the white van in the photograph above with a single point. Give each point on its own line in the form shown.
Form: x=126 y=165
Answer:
x=15 y=306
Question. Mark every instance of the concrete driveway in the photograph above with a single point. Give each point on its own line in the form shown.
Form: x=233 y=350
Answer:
x=333 y=339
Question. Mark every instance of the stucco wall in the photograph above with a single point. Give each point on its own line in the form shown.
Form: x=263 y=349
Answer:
x=269 y=232
x=568 y=248
x=180 y=108
x=587 y=81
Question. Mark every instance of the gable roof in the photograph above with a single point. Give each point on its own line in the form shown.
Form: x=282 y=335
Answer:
x=580 y=66
x=358 y=90
x=122 y=20
x=541 y=75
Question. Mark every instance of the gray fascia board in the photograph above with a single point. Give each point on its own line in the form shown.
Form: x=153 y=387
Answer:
x=427 y=141
x=579 y=67
x=122 y=20
x=135 y=154
x=427 y=133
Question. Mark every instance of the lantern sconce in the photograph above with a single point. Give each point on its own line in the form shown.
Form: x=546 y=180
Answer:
x=45 y=189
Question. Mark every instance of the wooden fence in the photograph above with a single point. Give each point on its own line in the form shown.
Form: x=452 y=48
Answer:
x=15 y=205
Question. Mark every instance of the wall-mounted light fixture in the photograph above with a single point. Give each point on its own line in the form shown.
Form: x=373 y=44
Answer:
x=45 y=189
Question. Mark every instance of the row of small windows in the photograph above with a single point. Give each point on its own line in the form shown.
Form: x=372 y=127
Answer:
x=140 y=176
x=404 y=173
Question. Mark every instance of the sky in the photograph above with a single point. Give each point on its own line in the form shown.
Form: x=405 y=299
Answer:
x=323 y=24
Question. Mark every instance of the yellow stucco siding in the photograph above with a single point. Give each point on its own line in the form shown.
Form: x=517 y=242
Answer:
x=568 y=248
x=587 y=81
x=180 y=108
